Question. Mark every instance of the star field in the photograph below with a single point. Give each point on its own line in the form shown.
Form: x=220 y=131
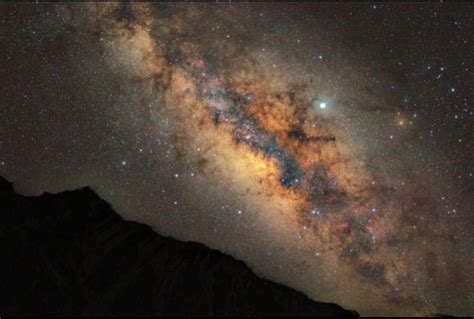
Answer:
x=328 y=145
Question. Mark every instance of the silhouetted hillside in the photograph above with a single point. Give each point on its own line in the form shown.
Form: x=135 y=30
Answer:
x=71 y=254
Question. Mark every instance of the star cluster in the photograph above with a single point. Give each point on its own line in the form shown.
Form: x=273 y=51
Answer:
x=329 y=146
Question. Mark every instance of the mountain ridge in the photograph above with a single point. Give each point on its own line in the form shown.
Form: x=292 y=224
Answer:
x=70 y=253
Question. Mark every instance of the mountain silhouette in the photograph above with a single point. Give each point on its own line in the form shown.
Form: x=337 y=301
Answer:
x=71 y=254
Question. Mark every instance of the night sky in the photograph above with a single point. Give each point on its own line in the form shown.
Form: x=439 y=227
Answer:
x=327 y=145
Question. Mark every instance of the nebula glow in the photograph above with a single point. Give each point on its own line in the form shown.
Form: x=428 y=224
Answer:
x=190 y=119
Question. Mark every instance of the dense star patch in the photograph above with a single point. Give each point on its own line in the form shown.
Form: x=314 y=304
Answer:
x=321 y=143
